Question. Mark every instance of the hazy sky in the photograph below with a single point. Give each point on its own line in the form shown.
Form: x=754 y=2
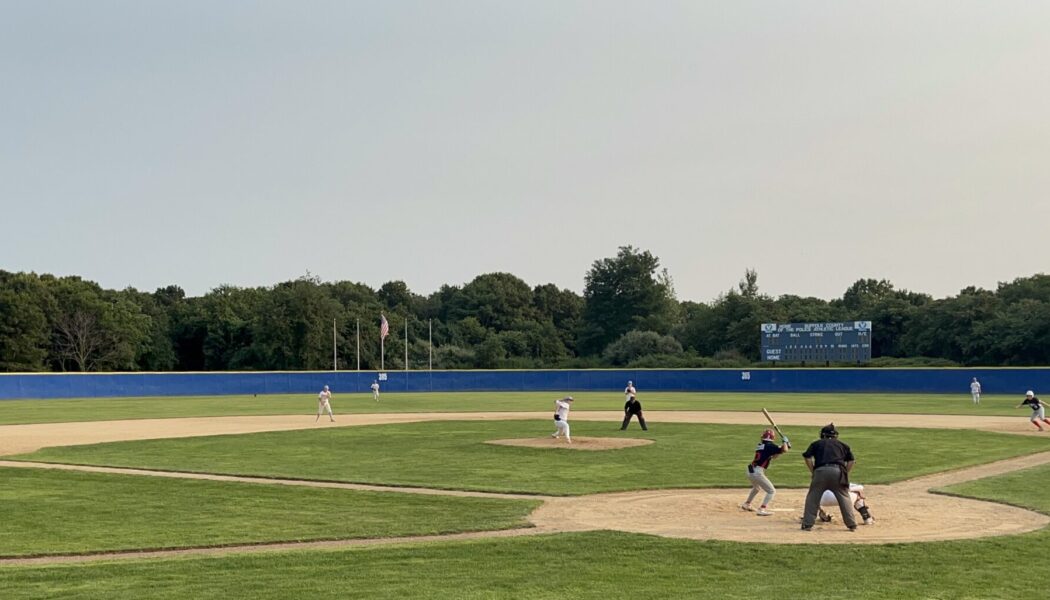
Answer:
x=203 y=143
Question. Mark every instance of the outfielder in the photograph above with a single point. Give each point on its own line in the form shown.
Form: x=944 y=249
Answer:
x=975 y=390
x=856 y=495
x=323 y=404
x=1038 y=412
x=375 y=390
x=756 y=472
x=561 y=418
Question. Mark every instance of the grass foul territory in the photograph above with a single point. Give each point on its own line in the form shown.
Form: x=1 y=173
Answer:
x=61 y=512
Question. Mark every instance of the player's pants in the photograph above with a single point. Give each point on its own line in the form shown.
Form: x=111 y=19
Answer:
x=1038 y=415
x=375 y=395
x=976 y=398
x=828 y=499
x=562 y=429
x=322 y=407
x=759 y=481
x=828 y=477
x=627 y=421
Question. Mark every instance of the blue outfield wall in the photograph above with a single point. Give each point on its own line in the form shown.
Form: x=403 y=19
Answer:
x=942 y=381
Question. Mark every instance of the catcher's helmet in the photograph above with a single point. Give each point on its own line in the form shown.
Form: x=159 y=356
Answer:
x=767 y=434
x=829 y=431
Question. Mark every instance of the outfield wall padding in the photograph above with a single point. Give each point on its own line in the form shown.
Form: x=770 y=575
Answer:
x=938 y=381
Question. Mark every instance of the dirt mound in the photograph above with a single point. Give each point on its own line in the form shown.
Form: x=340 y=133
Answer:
x=578 y=443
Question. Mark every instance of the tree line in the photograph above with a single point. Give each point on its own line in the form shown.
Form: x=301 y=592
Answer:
x=627 y=316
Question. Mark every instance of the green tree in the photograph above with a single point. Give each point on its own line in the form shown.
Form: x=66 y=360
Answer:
x=623 y=293
x=95 y=329
x=24 y=329
x=292 y=326
x=636 y=344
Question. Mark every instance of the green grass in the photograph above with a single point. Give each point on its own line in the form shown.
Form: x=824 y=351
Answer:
x=101 y=409
x=597 y=565
x=452 y=454
x=604 y=565
x=54 y=512
x=1025 y=488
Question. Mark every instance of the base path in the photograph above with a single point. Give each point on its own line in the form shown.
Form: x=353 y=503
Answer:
x=19 y=439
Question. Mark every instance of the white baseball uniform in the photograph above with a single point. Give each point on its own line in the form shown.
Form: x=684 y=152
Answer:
x=375 y=390
x=975 y=391
x=323 y=404
x=828 y=499
x=629 y=392
x=561 y=419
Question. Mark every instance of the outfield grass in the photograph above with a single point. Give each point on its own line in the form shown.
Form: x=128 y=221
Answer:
x=452 y=454
x=56 y=512
x=101 y=409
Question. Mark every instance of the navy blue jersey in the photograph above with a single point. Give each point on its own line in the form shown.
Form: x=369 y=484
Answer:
x=764 y=453
x=1033 y=402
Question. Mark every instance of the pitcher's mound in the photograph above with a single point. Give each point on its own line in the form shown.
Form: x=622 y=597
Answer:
x=578 y=443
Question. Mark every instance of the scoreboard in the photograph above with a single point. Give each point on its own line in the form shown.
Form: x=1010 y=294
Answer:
x=817 y=342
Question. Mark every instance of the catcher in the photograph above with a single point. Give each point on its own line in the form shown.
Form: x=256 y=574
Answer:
x=856 y=495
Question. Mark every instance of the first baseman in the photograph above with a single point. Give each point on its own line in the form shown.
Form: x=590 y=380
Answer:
x=1038 y=412
x=323 y=404
x=756 y=472
x=561 y=418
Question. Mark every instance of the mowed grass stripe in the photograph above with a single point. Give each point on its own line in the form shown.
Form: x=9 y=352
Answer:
x=593 y=565
x=1025 y=488
x=454 y=455
x=62 y=512
x=105 y=409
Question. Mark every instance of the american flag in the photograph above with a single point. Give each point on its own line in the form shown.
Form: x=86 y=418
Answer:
x=384 y=327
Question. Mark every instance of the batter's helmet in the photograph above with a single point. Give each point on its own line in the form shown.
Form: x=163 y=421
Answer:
x=767 y=434
x=829 y=431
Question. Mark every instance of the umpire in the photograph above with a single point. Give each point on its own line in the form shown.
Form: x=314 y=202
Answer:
x=830 y=462
x=632 y=408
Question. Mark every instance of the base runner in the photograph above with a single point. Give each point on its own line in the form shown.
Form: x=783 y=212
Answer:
x=1038 y=412
x=756 y=472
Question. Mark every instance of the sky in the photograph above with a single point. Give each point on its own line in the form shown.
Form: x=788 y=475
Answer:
x=202 y=143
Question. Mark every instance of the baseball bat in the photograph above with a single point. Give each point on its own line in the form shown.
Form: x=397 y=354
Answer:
x=773 y=423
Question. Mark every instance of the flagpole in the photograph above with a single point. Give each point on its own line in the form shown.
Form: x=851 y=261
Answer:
x=430 y=336
x=406 y=343
x=359 y=344
x=335 y=361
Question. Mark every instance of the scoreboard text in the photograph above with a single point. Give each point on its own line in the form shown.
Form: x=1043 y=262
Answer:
x=823 y=342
